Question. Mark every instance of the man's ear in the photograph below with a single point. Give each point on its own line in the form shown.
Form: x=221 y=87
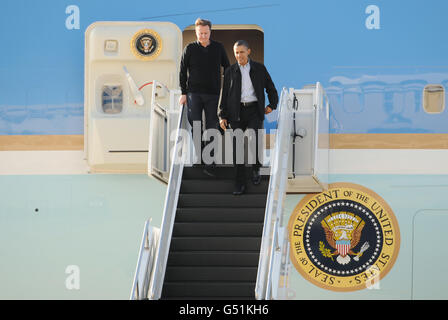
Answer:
x=248 y=52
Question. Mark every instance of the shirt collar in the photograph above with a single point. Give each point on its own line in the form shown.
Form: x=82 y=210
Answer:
x=246 y=65
x=199 y=44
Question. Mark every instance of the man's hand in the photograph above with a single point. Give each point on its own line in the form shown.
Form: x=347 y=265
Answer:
x=223 y=124
x=183 y=99
x=267 y=110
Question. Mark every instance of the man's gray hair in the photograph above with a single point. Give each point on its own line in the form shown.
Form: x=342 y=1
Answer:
x=242 y=43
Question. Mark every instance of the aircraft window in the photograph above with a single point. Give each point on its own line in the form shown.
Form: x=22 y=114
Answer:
x=434 y=98
x=112 y=99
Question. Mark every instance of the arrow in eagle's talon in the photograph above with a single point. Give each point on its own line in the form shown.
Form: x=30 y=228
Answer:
x=364 y=247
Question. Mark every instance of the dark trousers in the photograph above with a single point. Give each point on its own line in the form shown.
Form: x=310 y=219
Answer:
x=248 y=120
x=198 y=102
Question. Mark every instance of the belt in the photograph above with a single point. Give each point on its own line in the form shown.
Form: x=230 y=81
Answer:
x=249 y=104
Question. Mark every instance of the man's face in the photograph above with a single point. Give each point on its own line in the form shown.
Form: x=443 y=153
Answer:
x=203 y=34
x=241 y=54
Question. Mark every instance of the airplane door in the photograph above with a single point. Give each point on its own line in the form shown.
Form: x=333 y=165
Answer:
x=164 y=111
x=123 y=60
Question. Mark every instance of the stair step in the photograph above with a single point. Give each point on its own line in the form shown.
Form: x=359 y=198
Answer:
x=221 y=172
x=197 y=172
x=214 y=258
x=215 y=243
x=220 y=186
x=210 y=273
x=222 y=200
x=220 y=215
x=209 y=298
x=229 y=229
x=205 y=289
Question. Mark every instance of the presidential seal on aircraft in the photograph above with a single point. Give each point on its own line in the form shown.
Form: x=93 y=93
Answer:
x=146 y=44
x=343 y=239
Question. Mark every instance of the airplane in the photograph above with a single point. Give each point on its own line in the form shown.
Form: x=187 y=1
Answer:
x=352 y=202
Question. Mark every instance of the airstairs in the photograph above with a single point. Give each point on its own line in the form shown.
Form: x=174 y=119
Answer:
x=212 y=244
x=216 y=238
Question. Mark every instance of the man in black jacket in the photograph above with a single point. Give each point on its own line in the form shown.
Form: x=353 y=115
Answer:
x=200 y=76
x=243 y=103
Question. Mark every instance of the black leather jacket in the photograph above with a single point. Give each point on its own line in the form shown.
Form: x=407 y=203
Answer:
x=231 y=91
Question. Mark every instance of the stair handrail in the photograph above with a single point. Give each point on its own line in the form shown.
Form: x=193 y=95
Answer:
x=145 y=262
x=170 y=207
x=276 y=195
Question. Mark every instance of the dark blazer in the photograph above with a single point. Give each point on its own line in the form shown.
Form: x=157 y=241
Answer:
x=231 y=91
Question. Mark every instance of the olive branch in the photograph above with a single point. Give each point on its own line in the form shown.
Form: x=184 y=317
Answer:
x=325 y=252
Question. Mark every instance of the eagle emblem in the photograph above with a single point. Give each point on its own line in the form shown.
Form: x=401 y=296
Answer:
x=146 y=44
x=343 y=232
x=338 y=241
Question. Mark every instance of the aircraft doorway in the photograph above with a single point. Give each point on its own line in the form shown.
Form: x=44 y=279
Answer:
x=229 y=34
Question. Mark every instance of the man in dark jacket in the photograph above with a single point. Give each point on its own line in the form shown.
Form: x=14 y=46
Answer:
x=243 y=103
x=200 y=76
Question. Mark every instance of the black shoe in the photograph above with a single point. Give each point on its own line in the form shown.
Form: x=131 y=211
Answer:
x=210 y=171
x=256 y=177
x=239 y=189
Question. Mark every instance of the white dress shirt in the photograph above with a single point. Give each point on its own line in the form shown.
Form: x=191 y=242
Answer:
x=247 y=89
